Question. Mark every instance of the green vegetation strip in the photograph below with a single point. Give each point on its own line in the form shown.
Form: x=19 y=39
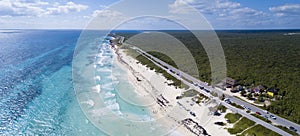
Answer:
x=232 y=118
x=259 y=130
x=237 y=106
x=143 y=60
x=190 y=93
x=222 y=108
x=261 y=117
x=240 y=126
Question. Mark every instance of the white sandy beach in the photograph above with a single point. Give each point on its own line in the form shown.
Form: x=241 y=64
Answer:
x=151 y=86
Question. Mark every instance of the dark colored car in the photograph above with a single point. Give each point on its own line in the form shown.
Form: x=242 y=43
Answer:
x=292 y=128
x=273 y=117
x=206 y=90
x=193 y=114
x=227 y=101
x=258 y=113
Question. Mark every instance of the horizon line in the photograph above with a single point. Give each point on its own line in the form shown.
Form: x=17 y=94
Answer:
x=233 y=29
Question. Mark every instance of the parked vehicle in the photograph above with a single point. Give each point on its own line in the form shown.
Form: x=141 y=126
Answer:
x=206 y=90
x=292 y=128
x=273 y=117
x=266 y=112
x=258 y=113
x=193 y=114
x=244 y=106
x=227 y=100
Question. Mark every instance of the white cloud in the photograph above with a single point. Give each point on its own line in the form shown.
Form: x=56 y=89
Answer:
x=24 y=9
x=180 y=6
x=227 y=4
x=221 y=8
x=106 y=13
x=223 y=13
x=64 y=9
x=203 y=6
x=5 y=8
x=286 y=10
x=36 y=8
x=246 y=12
x=21 y=7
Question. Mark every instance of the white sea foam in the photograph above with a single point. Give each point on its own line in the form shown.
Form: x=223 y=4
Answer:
x=104 y=70
x=109 y=95
x=110 y=101
x=98 y=78
x=97 y=88
x=147 y=118
x=112 y=77
x=100 y=54
x=109 y=86
x=112 y=105
x=89 y=102
x=99 y=112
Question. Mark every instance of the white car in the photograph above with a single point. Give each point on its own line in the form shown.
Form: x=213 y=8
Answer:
x=266 y=112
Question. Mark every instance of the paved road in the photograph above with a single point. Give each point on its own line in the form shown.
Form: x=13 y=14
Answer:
x=178 y=74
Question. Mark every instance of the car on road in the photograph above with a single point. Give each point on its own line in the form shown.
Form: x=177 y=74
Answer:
x=206 y=90
x=248 y=109
x=201 y=87
x=273 y=117
x=244 y=106
x=193 y=114
x=227 y=100
x=293 y=129
x=266 y=112
x=258 y=113
x=266 y=116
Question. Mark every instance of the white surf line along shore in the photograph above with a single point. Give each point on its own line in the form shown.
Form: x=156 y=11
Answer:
x=147 y=82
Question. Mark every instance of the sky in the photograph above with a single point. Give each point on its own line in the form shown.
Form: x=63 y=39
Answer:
x=220 y=14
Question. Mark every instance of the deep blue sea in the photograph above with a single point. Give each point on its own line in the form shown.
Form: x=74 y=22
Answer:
x=36 y=90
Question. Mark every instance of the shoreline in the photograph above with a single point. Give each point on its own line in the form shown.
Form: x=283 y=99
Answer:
x=165 y=104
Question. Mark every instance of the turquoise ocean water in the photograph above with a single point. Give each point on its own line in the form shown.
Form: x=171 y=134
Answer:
x=37 y=94
x=36 y=90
